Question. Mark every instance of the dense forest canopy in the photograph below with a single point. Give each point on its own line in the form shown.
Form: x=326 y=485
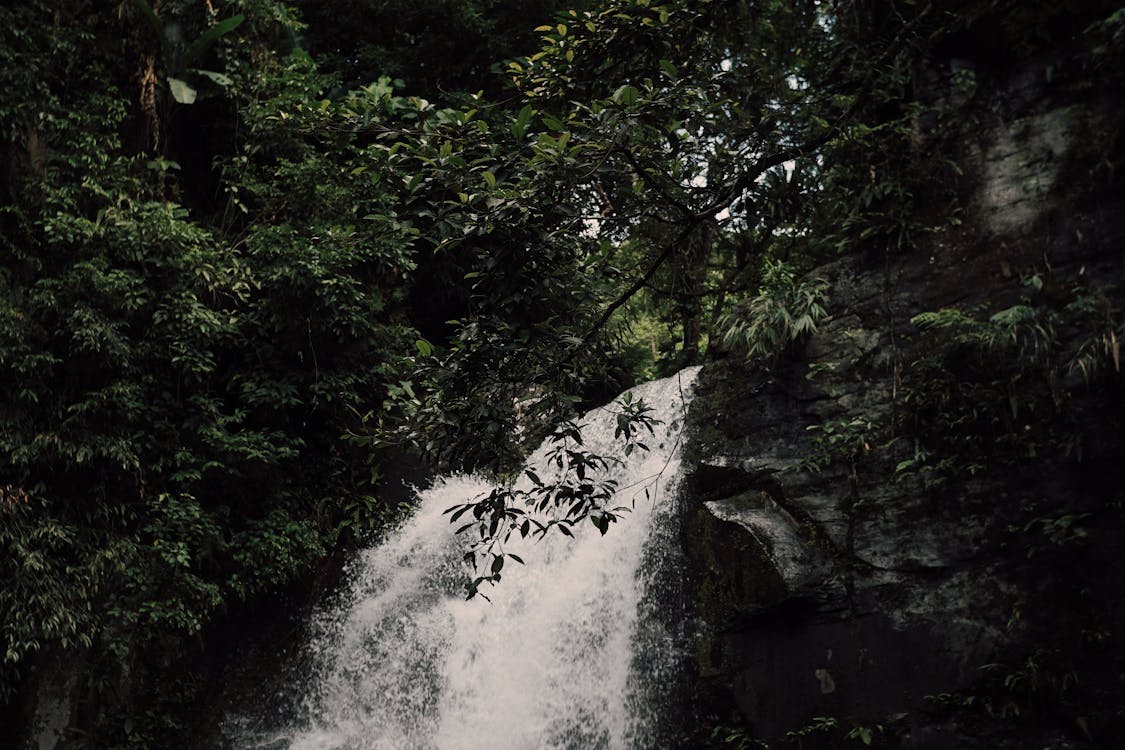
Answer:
x=253 y=249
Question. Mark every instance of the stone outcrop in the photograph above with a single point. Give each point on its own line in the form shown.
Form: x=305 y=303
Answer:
x=826 y=583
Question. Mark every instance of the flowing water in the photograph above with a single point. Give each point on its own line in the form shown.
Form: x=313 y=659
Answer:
x=573 y=652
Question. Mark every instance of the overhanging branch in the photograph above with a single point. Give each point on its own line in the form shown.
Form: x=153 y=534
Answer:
x=635 y=287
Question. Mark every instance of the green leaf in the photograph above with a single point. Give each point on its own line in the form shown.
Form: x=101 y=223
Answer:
x=162 y=165
x=554 y=124
x=519 y=126
x=219 y=78
x=425 y=348
x=626 y=95
x=208 y=37
x=181 y=92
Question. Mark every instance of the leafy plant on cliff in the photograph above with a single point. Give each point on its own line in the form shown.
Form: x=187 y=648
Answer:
x=846 y=440
x=785 y=311
x=996 y=388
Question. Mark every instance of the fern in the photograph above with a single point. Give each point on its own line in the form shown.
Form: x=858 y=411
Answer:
x=785 y=310
x=1028 y=331
x=1100 y=350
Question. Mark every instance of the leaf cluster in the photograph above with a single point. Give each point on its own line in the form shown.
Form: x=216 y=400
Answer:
x=785 y=311
x=997 y=388
x=579 y=486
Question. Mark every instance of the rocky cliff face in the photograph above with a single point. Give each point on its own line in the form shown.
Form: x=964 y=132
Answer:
x=908 y=535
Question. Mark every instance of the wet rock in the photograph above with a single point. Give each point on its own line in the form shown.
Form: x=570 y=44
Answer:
x=831 y=585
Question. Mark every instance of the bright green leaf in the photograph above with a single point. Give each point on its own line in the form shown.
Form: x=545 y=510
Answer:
x=181 y=92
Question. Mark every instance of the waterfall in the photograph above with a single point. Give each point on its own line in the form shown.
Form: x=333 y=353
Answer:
x=570 y=653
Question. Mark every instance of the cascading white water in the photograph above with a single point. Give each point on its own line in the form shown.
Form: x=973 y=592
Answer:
x=561 y=658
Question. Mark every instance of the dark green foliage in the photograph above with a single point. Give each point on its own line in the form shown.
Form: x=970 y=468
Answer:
x=784 y=312
x=998 y=389
x=439 y=48
x=176 y=386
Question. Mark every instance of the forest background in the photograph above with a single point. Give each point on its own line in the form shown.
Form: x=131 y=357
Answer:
x=256 y=252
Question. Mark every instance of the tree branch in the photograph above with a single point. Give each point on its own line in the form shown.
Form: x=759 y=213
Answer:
x=635 y=287
x=746 y=179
